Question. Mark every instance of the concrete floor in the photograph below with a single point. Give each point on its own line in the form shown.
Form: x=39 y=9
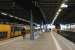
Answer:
x=46 y=41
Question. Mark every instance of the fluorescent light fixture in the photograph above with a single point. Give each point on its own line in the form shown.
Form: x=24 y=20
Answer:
x=3 y=13
x=59 y=10
x=16 y=17
x=56 y=16
x=54 y=19
x=11 y=16
x=57 y=13
x=21 y=19
x=64 y=5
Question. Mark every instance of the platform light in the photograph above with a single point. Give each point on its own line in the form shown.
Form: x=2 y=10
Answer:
x=23 y=19
x=57 y=13
x=20 y=19
x=16 y=17
x=64 y=5
x=11 y=15
x=4 y=13
x=59 y=10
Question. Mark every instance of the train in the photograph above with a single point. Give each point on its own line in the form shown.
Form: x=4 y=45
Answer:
x=10 y=31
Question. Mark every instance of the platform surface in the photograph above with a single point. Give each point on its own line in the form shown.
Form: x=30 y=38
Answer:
x=46 y=41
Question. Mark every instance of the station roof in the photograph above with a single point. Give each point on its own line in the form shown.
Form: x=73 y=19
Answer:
x=50 y=7
x=21 y=8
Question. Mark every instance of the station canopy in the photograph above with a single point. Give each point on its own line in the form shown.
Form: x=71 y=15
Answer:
x=42 y=11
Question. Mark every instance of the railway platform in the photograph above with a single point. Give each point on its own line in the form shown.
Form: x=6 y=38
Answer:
x=46 y=41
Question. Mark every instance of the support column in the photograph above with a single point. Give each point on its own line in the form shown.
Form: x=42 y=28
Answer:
x=31 y=26
x=41 y=27
x=70 y=27
x=46 y=27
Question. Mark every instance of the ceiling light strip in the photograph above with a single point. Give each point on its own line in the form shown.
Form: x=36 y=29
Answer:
x=63 y=5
